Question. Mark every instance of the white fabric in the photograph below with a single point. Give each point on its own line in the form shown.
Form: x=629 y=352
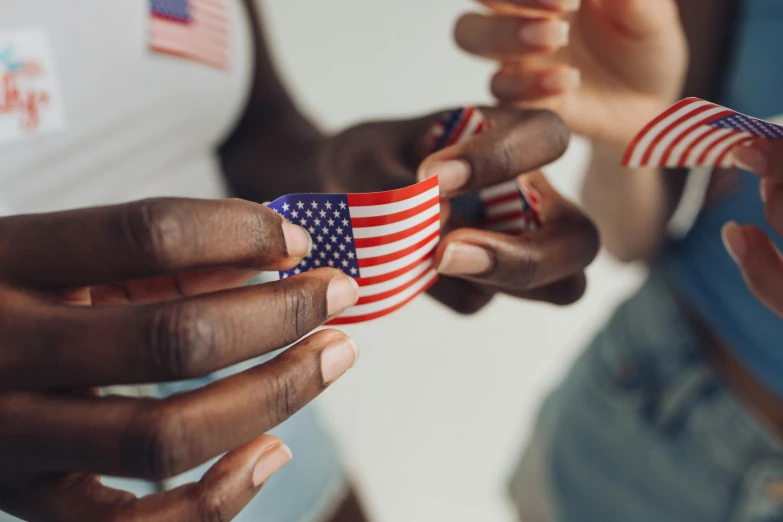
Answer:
x=139 y=124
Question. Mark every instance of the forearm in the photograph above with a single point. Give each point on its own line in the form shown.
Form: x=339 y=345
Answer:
x=277 y=156
x=274 y=147
x=630 y=207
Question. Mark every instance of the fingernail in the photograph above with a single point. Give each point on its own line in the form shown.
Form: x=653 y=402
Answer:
x=561 y=81
x=464 y=259
x=269 y=463
x=342 y=293
x=752 y=158
x=547 y=33
x=764 y=188
x=337 y=358
x=564 y=5
x=452 y=174
x=297 y=241
x=734 y=241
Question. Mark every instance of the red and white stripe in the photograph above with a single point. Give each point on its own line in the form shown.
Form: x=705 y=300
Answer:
x=682 y=137
x=395 y=236
x=471 y=124
x=504 y=208
x=205 y=38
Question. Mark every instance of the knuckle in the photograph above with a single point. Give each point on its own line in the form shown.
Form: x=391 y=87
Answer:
x=303 y=307
x=212 y=507
x=182 y=340
x=570 y=292
x=159 y=446
x=284 y=397
x=554 y=129
x=522 y=273
x=155 y=231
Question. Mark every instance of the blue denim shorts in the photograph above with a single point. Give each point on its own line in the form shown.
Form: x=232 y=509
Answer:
x=643 y=430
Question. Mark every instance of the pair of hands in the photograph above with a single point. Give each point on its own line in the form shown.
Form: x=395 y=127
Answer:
x=153 y=291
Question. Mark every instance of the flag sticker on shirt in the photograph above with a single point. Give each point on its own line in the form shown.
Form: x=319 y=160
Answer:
x=696 y=133
x=30 y=100
x=384 y=240
x=198 y=30
x=512 y=207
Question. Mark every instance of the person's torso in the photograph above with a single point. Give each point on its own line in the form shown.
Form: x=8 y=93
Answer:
x=704 y=274
x=136 y=123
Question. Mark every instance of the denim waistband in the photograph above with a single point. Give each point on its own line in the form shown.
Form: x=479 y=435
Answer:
x=656 y=355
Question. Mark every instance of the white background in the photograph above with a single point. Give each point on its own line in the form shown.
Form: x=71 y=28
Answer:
x=432 y=418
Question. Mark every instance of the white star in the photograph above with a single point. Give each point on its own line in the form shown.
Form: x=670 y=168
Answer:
x=309 y=213
x=344 y=263
x=334 y=239
x=319 y=238
x=322 y=255
x=345 y=222
x=342 y=205
x=331 y=263
x=336 y=213
x=317 y=262
x=342 y=247
x=326 y=230
x=339 y=230
x=314 y=204
x=347 y=239
x=299 y=204
x=350 y=255
x=331 y=222
x=311 y=230
x=317 y=222
x=285 y=276
x=297 y=271
x=303 y=263
x=328 y=246
x=336 y=255
x=285 y=207
x=353 y=270
x=328 y=205
x=303 y=222
x=322 y=213
x=295 y=214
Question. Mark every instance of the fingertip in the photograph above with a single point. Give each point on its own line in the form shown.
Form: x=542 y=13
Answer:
x=298 y=242
x=339 y=356
x=734 y=241
x=270 y=462
x=752 y=156
x=561 y=81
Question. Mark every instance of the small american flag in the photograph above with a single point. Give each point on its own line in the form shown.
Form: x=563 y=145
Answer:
x=385 y=240
x=695 y=133
x=512 y=207
x=195 y=29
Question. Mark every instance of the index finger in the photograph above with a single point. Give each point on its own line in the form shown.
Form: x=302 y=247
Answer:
x=518 y=141
x=102 y=245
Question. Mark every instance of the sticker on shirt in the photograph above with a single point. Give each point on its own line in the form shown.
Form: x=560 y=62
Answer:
x=197 y=30
x=30 y=99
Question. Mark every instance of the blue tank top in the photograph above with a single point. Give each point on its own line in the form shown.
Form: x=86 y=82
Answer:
x=698 y=266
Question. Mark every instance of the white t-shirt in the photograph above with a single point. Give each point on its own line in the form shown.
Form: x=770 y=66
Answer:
x=137 y=123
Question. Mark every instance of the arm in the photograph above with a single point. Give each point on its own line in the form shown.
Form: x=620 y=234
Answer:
x=632 y=209
x=272 y=135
